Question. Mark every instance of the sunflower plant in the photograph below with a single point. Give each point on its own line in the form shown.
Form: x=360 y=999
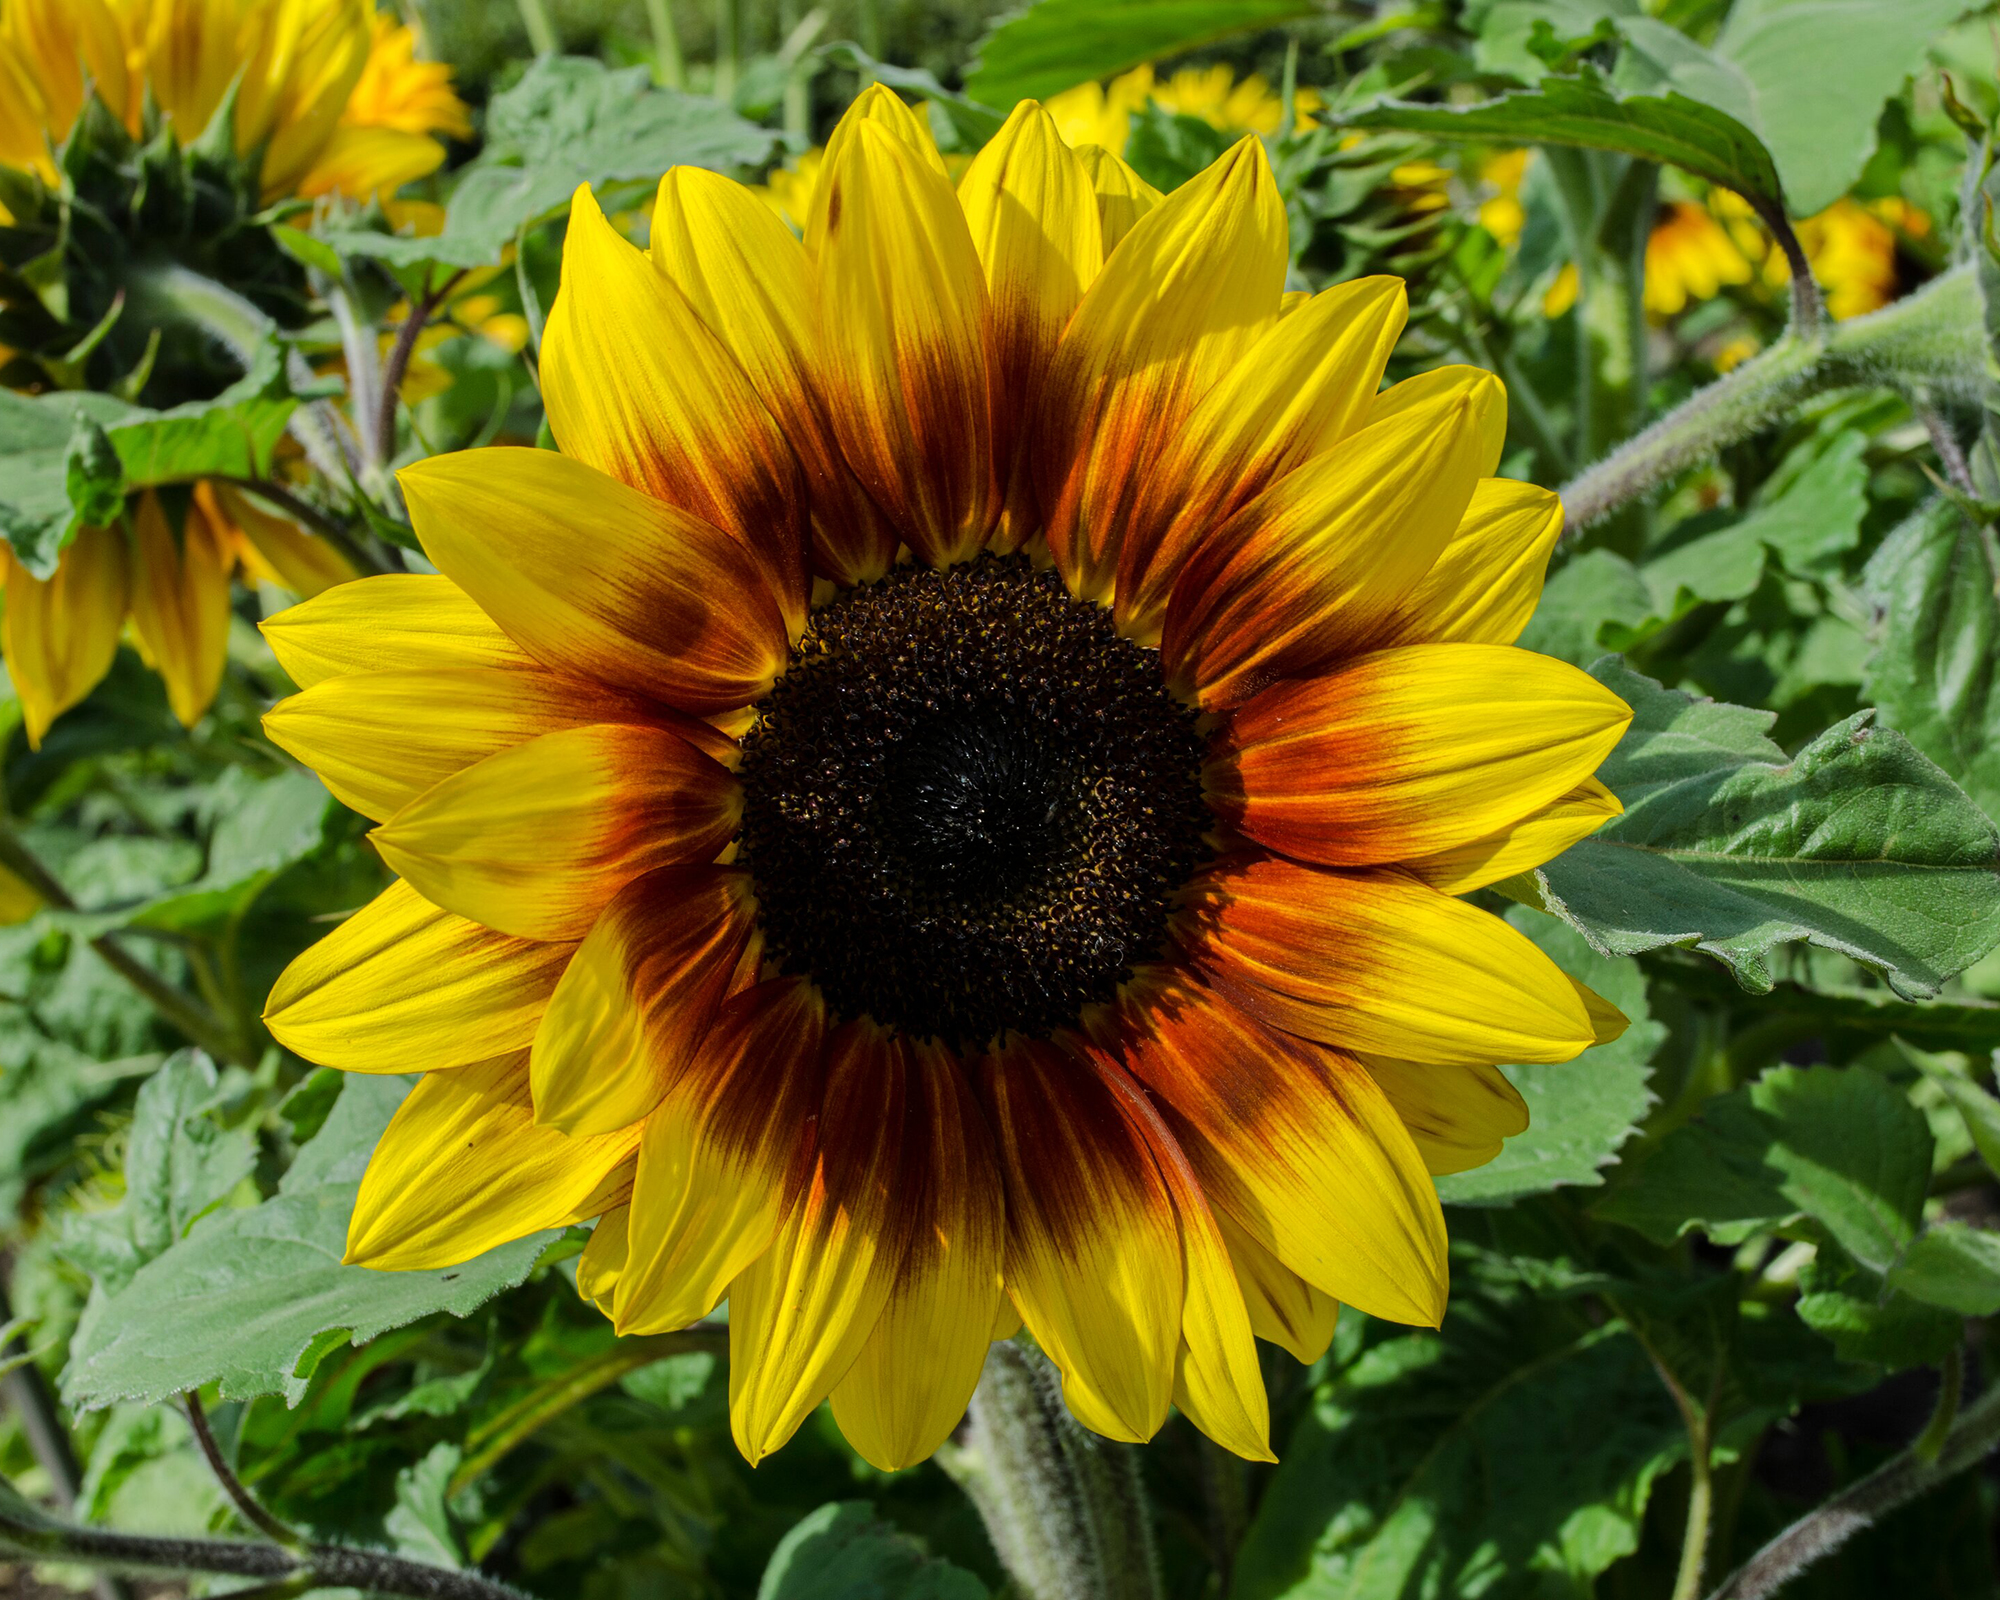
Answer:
x=1199 y=804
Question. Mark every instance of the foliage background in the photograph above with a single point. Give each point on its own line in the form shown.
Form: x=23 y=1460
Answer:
x=1738 y=1247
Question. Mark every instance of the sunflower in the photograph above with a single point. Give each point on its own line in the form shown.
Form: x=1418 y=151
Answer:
x=1101 y=114
x=329 y=92
x=942 y=806
x=166 y=570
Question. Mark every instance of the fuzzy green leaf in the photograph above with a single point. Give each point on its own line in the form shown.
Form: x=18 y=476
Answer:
x=844 y=1552
x=1841 y=1146
x=1858 y=845
x=252 y=1299
x=1809 y=76
x=1510 y=1457
x=1587 y=113
x=1056 y=44
x=1933 y=672
x=568 y=122
x=1953 y=1266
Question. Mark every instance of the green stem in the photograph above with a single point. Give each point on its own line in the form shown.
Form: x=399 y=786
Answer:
x=669 y=67
x=1066 y=1510
x=541 y=32
x=246 y=1503
x=1951 y=1390
x=1931 y=341
x=725 y=50
x=491 y=1441
x=1895 y=1483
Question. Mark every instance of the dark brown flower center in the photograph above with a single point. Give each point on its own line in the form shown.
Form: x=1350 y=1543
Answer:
x=969 y=803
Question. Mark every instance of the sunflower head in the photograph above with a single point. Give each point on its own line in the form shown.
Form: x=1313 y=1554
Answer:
x=943 y=805
x=138 y=133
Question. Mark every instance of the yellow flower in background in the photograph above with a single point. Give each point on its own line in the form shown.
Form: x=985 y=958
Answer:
x=331 y=92
x=1690 y=256
x=788 y=190
x=1101 y=114
x=60 y=634
x=876 y=963
x=1501 y=213
x=1852 y=249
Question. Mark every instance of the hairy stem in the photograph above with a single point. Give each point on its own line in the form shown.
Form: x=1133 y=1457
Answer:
x=26 y=1391
x=1929 y=342
x=246 y=1502
x=1896 y=1482
x=1065 y=1509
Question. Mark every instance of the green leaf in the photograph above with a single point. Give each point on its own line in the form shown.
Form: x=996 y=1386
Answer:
x=35 y=435
x=1953 y=1266
x=262 y=828
x=1932 y=672
x=1511 y=1458
x=1868 y=1321
x=252 y=1299
x=110 y=449
x=1580 y=1111
x=568 y=122
x=1858 y=845
x=1586 y=113
x=1809 y=76
x=843 y=1552
x=1979 y=1110
x=1055 y=44
x=1582 y=597
x=180 y=1163
x=1841 y=1146
x=1808 y=514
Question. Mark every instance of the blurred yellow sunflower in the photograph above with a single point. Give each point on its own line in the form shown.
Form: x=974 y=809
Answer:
x=166 y=570
x=1101 y=114
x=943 y=805
x=329 y=91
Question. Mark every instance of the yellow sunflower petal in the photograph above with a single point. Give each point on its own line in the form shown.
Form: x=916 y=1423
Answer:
x=1298 y=391
x=1409 y=752
x=800 y=1313
x=1033 y=216
x=910 y=1384
x=884 y=108
x=900 y=354
x=589 y=576
x=536 y=840
x=1123 y=197
x=1299 y=1146
x=378 y=740
x=1441 y=383
x=635 y=1002
x=1191 y=288
x=1541 y=836
x=637 y=386
x=1458 y=1116
x=603 y=1260
x=1310 y=568
x=723 y=1157
x=364 y=163
x=750 y=280
x=1218 y=1384
x=1283 y=1307
x=302 y=562
x=401 y=986
x=61 y=633
x=1376 y=961
x=1484 y=585
x=429 y=1197
x=180 y=603
x=1093 y=1248
x=399 y=622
